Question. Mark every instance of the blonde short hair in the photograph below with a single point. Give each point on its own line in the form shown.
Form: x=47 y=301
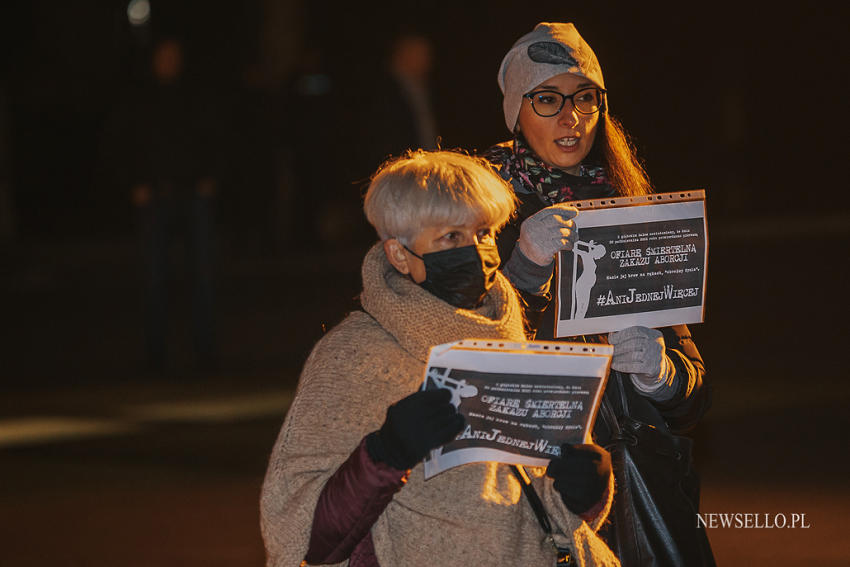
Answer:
x=424 y=188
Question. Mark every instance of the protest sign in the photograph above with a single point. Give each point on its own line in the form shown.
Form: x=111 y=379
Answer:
x=521 y=401
x=637 y=261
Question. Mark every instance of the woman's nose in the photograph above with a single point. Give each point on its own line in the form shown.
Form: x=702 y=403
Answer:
x=568 y=115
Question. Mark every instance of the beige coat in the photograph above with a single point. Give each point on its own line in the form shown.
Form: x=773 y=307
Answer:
x=470 y=515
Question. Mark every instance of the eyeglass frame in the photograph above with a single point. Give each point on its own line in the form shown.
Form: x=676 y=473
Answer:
x=530 y=97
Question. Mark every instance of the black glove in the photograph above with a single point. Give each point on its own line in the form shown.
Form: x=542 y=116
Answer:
x=414 y=425
x=581 y=475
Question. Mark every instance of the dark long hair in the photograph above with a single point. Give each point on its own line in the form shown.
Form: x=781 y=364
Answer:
x=613 y=149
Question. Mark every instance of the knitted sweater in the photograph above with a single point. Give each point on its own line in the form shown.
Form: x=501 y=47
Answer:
x=470 y=515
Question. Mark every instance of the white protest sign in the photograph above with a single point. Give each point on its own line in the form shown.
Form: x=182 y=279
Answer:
x=521 y=401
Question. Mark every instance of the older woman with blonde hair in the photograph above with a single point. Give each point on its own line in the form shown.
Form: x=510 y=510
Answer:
x=344 y=483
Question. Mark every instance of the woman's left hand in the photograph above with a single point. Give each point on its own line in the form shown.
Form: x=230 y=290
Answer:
x=639 y=351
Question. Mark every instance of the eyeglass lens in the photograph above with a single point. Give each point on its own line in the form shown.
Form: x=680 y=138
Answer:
x=550 y=103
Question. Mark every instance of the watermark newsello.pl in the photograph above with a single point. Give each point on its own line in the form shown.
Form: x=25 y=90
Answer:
x=751 y=520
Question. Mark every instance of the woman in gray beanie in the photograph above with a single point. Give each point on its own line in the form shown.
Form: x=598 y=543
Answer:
x=567 y=147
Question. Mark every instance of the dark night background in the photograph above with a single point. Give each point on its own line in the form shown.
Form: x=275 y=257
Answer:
x=745 y=100
x=742 y=100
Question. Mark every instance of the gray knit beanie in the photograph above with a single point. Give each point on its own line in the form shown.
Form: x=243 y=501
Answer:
x=550 y=49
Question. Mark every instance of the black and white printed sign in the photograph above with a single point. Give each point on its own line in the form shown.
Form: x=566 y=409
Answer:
x=637 y=261
x=521 y=401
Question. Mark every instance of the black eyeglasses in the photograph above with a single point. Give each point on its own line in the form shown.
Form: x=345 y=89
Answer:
x=548 y=103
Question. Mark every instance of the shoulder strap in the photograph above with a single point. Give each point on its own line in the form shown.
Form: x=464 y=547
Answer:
x=564 y=556
x=621 y=389
x=533 y=499
x=610 y=417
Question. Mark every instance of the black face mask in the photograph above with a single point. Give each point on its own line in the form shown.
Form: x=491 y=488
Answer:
x=461 y=276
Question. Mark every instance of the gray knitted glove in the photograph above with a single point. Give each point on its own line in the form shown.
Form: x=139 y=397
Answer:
x=546 y=232
x=640 y=352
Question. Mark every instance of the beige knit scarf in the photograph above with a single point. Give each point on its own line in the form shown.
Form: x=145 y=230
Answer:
x=418 y=320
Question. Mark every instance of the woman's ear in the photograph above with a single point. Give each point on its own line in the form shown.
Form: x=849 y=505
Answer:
x=394 y=251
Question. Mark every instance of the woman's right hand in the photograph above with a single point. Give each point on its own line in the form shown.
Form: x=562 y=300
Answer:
x=546 y=232
x=581 y=475
x=413 y=427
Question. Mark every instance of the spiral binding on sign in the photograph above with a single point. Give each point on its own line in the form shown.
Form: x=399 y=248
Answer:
x=652 y=199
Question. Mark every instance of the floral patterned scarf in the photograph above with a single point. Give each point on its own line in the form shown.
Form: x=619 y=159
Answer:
x=518 y=164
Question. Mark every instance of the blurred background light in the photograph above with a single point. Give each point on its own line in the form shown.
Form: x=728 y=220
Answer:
x=139 y=12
